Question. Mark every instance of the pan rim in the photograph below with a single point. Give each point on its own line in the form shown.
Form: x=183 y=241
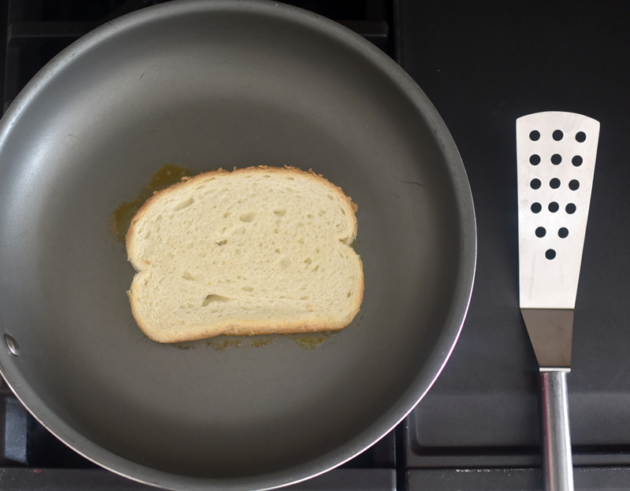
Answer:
x=461 y=296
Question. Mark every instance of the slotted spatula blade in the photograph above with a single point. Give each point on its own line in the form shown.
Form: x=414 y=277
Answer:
x=556 y=154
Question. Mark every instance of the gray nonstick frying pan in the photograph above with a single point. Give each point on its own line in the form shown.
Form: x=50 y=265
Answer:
x=207 y=84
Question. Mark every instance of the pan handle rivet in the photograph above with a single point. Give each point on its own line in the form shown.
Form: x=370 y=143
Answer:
x=12 y=344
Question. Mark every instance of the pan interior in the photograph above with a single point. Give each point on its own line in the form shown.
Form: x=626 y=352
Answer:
x=206 y=89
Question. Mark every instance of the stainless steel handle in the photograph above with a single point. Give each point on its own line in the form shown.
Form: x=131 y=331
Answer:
x=557 y=461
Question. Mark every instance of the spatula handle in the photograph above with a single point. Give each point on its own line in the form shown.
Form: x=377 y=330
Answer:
x=557 y=461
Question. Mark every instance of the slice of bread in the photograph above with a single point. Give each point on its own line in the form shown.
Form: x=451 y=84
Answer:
x=255 y=251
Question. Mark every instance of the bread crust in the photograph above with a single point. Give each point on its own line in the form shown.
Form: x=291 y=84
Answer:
x=241 y=327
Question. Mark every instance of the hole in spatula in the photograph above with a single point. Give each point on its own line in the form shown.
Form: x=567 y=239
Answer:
x=554 y=183
x=556 y=159
x=534 y=136
x=563 y=233
x=536 y=207
x=550 y=254
x=577 y=161
x=574 y=185
x=535 y=184
x=570 y=209
x=553 y=207
x=557 y=135
x=541 y=232
x=580 y=137
x=534 y=159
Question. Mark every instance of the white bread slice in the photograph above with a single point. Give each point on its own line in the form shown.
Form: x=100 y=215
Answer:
x=254 y=251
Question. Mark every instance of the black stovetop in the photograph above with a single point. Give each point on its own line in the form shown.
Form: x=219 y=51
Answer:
x=483 y=64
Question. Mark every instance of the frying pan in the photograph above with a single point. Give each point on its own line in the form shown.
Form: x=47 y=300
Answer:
x=231 y=84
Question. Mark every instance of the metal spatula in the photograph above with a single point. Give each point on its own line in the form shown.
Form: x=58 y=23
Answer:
x=556 y=160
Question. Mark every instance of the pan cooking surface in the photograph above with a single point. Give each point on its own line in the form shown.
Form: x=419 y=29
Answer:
x=221 y=84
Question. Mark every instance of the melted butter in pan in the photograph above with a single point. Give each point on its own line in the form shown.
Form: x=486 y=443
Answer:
x=165 y=176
